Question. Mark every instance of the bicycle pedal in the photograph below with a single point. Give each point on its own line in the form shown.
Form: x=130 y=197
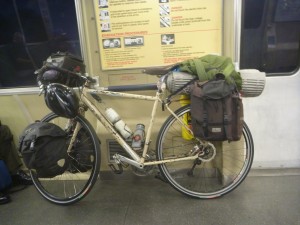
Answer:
x=115 y=170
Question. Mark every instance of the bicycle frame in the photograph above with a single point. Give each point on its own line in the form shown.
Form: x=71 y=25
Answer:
x=194 y=176
x=136 y=160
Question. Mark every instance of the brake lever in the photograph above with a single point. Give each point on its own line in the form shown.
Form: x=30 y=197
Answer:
x=42 y=90
x=40 y=70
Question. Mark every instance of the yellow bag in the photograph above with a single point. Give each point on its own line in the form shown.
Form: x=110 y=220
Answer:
x=187 y=120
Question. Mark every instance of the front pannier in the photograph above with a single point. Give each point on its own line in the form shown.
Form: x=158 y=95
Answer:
x=44 y=149
x=216 y=110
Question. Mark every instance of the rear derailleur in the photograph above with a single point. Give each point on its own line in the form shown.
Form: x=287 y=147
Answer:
x=205 y=153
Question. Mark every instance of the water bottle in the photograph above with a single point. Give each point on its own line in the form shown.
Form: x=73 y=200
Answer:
x=138 y=137
x=118 y=123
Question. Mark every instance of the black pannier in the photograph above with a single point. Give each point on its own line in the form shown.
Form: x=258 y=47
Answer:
x=44 y=149
x=216 y=110
x=67 y=62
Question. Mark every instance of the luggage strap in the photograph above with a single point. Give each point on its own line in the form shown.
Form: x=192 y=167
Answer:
x=181 y=89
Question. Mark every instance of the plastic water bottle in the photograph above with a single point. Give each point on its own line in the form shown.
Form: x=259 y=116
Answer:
x=138 y=137
x=118 y=123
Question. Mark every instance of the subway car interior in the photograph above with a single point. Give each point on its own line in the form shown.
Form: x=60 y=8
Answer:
x=140 y=112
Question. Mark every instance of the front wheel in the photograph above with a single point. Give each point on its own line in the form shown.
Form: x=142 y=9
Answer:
x=84 y=163
x=225 y=167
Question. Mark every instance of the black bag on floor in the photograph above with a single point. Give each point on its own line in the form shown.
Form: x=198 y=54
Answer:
x=5 y=178
x=216 y=110
x=44 y=149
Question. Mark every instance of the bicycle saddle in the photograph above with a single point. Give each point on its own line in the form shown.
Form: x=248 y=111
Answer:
x=161 y=70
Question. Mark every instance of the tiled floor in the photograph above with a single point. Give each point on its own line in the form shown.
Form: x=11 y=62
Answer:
x=269 y=198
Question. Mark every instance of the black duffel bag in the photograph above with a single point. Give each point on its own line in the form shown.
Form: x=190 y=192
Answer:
x=44 y=149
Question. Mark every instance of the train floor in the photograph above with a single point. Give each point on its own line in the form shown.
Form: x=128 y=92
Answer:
x=266 y=197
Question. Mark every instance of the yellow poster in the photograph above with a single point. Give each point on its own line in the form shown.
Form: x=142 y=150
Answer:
x=146 y=33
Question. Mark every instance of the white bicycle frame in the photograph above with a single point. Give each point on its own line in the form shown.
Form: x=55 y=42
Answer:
x=136 y=160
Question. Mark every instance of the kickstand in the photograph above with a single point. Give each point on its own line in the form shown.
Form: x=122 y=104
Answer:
x=160 y=177
x=115 y=170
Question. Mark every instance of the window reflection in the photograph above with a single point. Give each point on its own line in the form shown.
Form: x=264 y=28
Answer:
x=31 y=30
x=270 y=37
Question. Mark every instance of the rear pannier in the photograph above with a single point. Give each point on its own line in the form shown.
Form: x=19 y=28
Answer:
x=216 y=110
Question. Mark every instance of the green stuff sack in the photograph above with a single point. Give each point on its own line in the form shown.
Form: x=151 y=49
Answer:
x=208 y=66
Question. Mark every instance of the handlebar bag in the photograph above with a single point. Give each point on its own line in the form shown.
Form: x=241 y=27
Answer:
x=44 y=149
x=216 y=110
x=67 y=62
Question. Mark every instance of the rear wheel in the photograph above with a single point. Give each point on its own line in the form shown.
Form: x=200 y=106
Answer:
x=221 y=167
x=84 y=157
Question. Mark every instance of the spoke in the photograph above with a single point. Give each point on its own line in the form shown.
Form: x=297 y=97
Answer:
x=213 y=178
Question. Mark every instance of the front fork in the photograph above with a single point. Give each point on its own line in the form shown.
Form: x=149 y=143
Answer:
x=70 y=126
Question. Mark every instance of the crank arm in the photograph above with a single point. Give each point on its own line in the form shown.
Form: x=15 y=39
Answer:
x=122 y=159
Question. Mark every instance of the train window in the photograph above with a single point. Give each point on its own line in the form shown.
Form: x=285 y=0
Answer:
x=31 y=30
x=270 y=35
x=256 y=6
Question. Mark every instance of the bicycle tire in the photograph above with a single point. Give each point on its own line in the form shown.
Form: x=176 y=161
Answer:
x=213 y=179
x=77 y=181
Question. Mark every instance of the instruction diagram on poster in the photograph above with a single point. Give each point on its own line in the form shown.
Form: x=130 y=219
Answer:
x=141 y=33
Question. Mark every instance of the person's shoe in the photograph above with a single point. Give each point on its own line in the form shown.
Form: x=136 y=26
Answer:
x=21 y=178
x=4 y=198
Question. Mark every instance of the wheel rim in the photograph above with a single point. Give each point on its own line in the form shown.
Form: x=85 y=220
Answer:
x=76 y=182
x=209 y=179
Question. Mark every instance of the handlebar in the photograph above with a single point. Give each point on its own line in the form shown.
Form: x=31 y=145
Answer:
x=64 y=71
